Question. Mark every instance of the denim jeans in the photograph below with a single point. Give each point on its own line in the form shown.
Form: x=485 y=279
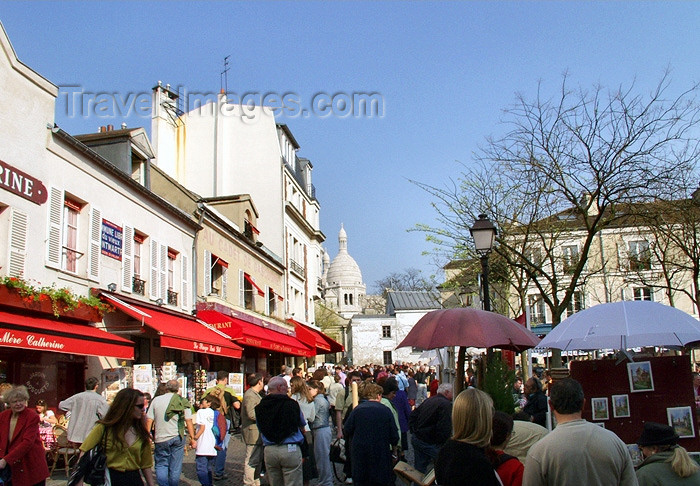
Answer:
x=221 y=454
x=168 y=461
x=423 y=453
x=205 y=464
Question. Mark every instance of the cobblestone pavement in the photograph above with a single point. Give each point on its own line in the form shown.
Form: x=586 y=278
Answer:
x=234 y=469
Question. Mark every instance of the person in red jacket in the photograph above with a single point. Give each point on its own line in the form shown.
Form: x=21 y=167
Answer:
x=20 y=445
x=509 y=468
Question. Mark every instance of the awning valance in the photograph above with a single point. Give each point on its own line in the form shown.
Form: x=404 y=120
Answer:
x=179 y=331
x=248 y=334
x=40 y=334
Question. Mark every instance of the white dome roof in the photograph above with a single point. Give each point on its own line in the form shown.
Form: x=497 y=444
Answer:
x=343 y=270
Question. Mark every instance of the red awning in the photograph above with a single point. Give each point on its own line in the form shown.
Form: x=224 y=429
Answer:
x=40 y=334
x=179 y=331
x=248 y=334
x=316 y=338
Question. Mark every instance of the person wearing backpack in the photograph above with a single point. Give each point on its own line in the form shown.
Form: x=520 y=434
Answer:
x=230 y=406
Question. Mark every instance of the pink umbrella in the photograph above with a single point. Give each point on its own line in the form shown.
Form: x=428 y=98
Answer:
x=466 y=326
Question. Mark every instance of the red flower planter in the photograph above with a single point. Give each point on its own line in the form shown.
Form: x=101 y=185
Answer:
x=10 y=297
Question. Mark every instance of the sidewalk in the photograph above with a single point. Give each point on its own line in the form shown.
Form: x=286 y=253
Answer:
x=234 y=469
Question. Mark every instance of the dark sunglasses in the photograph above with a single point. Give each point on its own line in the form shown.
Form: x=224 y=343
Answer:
x=140 y=405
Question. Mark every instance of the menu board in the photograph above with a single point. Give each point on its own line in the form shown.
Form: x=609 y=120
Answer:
x=235 y=381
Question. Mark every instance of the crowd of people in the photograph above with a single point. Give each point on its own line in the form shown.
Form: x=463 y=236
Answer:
x=288 y=423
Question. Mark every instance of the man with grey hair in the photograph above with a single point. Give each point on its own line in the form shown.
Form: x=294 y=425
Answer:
x=577 y=452
x=85 y=409
x=431 y=425
x=171 y=413
x=281 y=425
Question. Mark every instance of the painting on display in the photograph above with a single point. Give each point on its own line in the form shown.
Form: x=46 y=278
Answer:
x=600 y=408
x=621 y=406
x=640 y=377
x=681 y=419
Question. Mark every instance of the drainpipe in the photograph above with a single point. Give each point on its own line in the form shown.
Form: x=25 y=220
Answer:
x=202 y=210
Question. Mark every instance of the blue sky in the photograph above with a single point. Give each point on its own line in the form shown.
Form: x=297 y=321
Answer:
x=445 y=71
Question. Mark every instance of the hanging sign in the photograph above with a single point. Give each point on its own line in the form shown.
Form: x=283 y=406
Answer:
x=22 y=184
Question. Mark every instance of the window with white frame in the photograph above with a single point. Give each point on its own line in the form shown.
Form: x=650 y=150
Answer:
x=172 y=293
x=643 y=293
x=537 y=309
x=138 y=282
x=71 y=213
x=271 y=302
x=570 y=258
x=639 y=255
x=575 y=304
x=386 y=331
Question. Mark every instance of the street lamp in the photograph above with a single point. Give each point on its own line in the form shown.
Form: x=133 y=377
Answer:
x=484 y=234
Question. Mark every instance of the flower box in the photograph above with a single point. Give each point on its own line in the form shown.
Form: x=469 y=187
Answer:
x=11 y=297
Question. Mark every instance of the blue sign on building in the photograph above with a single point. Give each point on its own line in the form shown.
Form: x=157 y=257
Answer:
x=112 y=236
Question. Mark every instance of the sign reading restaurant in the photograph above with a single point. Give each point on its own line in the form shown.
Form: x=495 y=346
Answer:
x=22 y=184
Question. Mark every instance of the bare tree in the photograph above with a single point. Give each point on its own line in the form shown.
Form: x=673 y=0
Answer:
x=559 y=173
x=409 y=279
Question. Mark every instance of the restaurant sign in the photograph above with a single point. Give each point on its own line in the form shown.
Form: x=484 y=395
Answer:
x=22 y=184
x=111 y=241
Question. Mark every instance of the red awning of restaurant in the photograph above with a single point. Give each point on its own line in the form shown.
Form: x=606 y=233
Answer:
x=40 y=334
x=248 y=334
x=179 y=331
x=318 y=339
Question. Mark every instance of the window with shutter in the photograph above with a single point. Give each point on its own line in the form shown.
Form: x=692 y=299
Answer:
x=206 y=266
x=54 y=238
x=127 y=259
x=95 y=245
x=184 y=282
x=71 y=214
x=163 y=272
x=153 y=284
x=19 y=227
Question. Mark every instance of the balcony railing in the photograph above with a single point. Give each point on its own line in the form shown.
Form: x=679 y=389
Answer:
x=296 y=268
x=172 y=297
x=138 y=286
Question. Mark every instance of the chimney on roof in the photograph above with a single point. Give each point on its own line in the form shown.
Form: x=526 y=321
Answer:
x=696 y=196
x=123 y=125
x=110 y=128
x=102 y=129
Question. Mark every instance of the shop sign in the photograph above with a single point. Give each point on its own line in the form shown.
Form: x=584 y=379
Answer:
x=22 y=184
x=111 y=241
x=206 y=348
x=28 y=340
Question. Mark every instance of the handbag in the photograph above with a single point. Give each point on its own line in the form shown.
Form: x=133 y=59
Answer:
x=337 y=452
x=92 y=466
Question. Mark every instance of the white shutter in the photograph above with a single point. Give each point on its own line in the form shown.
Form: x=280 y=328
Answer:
x=163 y=277
x=206 y=265
x=54 y=246
x=95 y=245
x=224 y=282
x=623 y=259
x=19 y=226
x=267 y=300
x=127 y=259
x=241 y=288
x=184 y=284
x=153 y=284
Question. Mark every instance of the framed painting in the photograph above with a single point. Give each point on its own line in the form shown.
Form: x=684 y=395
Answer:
x=640 y=376
x=621 y=406
x=600 y=408
x=681 y=419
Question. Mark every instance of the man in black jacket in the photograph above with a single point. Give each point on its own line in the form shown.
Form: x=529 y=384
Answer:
x=281 y=426
x=431 y=426
x=536 y=405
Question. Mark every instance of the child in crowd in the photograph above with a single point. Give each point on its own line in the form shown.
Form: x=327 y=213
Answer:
x=205 y=454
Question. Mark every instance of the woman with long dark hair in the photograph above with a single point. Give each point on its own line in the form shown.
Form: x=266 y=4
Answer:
x=128 y=445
